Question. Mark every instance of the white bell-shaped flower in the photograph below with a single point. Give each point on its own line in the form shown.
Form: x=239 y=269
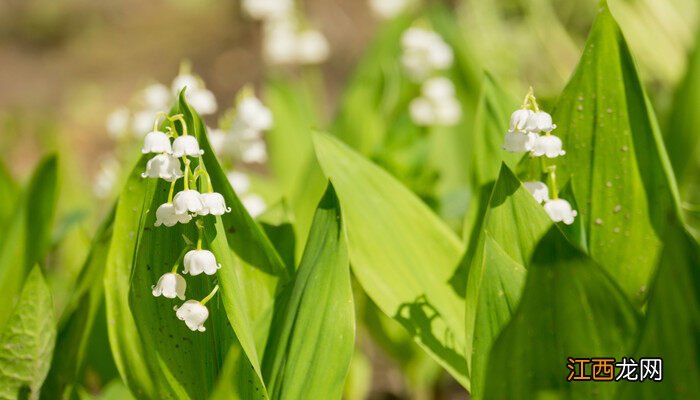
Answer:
x=540 y=121
x=251 y=113
x=438 y=88
x=200 y=261
x=267 y=9
x=170 y=285
x=213 y=204
x=312 y=47
x=559 y=210
x=519 y=120
x=186 y=146
x=202 y=100
x=156 y=142
x=239 y=181
x=194 y=314
x=166 y=215
x=254 y=204
x=163 y=166
x=188 y=201
x=519 y=142
x=547 y=145
x=437 y=105
x=118 y=122
x=538 y=189
x=185 y=80
x=422 y=112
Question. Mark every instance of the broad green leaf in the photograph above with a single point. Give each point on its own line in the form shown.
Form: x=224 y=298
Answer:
x=28 y=232
x=672 y=326
x=490 y=126
x=512 y=226
x=27 y=341
x=401 y=253
x=115 y=390
x=76 y=328
x=616 y=158
x=569 y=308
x=683 y=141
x=310 y=351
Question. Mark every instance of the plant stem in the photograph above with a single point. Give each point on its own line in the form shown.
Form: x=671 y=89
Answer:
x=213 y=292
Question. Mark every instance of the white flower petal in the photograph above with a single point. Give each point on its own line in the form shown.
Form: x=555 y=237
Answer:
x=187 y=201
x=547 y=145
x=200 y=261
x=170 y=285
x=539 y=190
x=214 y=204
x=519 y=119
x=559 y=210
x=186 y=146
x=163 y=166
x=166 y=215
x=519 y=142
x=194 y=314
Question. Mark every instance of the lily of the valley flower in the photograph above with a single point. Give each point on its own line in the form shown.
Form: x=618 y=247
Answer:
x=519 y=142
x=424 y=52
x=118 y=122
x=170 y=285
x=156 y=97
x=213 y=204
x=519 y=120
x=202 y=100
x=200 y=261
x=312 y=47
x=186 y=146
x=540 y=121
x=188 y=201
x=156 y=142
x=251 y=114
x=538 y=189
x=194 y=314
x=560 y=210
x=166 y=215
x=548 y=145
x=254 y=204
x=437 y=105
x=163 y=166
x=254 y=152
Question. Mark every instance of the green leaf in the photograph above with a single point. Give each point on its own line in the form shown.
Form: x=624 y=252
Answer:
x=27 y=342
x=617 y=159
x=490 y=126
x=401 y=253
x=9 y=196
x=513 y=225
x=671 y=330
x=311 y=348
x=569 y=308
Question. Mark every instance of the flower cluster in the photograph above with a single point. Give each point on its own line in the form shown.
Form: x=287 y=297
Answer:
x=181 y=208
x=424 y=56
x=531 y=131
x=286 y=41
x=387 y=9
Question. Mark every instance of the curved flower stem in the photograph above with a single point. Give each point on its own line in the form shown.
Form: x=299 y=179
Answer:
x=210 y=295
x=179 y=117
x=187 y=172
x=155 y=123
x=553 y=181
x=172 y=191
x=203 y=171
x=200 y=233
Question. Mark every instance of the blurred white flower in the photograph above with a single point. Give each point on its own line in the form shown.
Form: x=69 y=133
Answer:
x=163 y=166
x=519 y=142
x=202 y=100
x=559 y=210
x=538 y=189
x=548 y=145
x=200 y=261
x=424 y=52
x=166 y=215
x=387 y=9
x=186 y=146
x=254 y=152
x=254 y=204
x=156 y=142
x=312 y=47
x=118 y=122
x=213 y=204
x=539 y=121
x=519 y=120
x=142 y=123
x=239 y=181
x=217 y=140
x=437 y=105
x=156 y=97
x=194 y=314
x=106 y=178
x=182 y=81
x=251 y=115
x=187 y=201
x=170 y=285
x=267 y=9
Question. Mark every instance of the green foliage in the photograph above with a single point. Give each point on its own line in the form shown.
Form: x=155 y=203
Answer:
x=28 y=341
